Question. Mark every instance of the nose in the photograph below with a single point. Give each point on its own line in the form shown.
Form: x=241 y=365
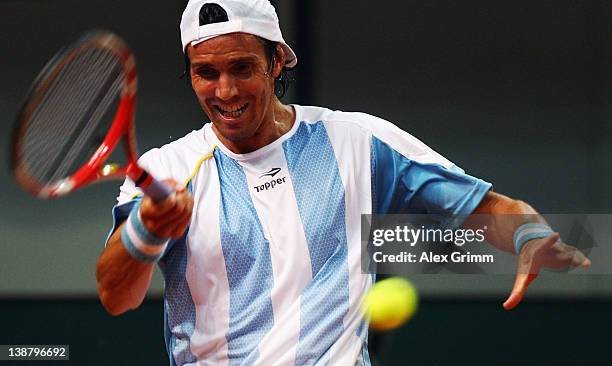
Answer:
x=226 y=87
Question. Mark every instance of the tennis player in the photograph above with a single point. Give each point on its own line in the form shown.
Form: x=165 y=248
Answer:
x=260 y=244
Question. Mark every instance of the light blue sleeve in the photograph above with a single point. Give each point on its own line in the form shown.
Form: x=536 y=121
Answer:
x=120 y=213
x=404 y=186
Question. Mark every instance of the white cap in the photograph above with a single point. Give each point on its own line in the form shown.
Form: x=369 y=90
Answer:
x=257 y=17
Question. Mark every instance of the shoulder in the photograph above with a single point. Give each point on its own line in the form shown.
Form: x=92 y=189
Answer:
x=336 y=119
x=176 y=160
x=378 y=131
x=340 y=125
x=312 y=114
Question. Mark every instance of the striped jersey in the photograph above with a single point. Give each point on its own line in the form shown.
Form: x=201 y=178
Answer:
x=269 y=270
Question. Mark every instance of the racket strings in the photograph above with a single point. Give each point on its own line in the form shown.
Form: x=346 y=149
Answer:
x=75 y=105
x=65 y=101
x=85 y=131
x=68 y=97
x=85 y=135
x=66 y=78
x=54 y=106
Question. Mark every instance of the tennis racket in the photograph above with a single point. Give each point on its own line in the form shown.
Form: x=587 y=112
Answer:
x=78 y=110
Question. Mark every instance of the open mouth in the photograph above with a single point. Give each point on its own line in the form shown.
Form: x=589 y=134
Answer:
x=232 y=111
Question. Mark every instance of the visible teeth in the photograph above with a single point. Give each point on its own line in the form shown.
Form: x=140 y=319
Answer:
x=232 y=111
x=232 y=108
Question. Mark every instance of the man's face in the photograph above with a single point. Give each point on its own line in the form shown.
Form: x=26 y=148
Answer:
x=228 y=74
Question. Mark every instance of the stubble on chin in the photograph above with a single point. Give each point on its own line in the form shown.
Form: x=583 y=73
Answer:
x=233 y=134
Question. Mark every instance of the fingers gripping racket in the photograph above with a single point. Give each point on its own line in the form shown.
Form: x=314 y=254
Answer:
x=78 y=109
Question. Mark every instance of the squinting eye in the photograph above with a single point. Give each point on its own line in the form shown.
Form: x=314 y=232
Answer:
x=242 y=69
x=207 y=73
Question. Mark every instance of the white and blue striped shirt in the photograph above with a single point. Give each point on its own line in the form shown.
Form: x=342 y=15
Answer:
x=269 y=271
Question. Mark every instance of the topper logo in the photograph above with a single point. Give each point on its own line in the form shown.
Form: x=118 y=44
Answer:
x=271 y=184
x=271 y=173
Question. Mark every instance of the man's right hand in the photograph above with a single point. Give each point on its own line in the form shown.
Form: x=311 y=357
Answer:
x=169 y=218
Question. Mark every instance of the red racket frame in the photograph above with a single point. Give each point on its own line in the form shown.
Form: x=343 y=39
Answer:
x=122 y=127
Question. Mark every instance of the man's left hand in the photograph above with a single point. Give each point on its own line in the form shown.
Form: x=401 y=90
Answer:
x=547 y=252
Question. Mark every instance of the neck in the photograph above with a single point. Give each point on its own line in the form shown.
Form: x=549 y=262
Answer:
x=284 y=117
x=279 y=121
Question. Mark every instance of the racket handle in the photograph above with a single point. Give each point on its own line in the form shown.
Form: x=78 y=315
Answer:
x=157 y=190
x=153 y=188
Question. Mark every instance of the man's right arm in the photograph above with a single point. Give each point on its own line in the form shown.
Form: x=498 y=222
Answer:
x=123 y=280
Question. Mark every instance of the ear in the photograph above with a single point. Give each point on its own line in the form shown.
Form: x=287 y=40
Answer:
x=279 y=61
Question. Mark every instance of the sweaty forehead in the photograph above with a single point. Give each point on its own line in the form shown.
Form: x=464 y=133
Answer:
x=233 y=45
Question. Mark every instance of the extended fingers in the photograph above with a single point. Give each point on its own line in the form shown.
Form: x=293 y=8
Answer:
x=567 y=255
x=521 y=283
x=547 y=252
x=527 y=271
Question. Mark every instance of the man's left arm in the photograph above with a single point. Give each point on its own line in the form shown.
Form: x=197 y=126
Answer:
x=504 y=216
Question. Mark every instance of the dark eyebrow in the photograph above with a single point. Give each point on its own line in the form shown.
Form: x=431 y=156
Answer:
x=200 y=64
x=248 y=59
x=251 y=59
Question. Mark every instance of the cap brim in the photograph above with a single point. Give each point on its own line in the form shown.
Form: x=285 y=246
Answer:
x=290 y=56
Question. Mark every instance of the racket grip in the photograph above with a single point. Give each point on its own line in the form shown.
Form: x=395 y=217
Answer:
x=157 y=190
x=153 y=188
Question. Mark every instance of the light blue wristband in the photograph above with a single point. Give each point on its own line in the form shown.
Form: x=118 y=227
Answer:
x=140 y=242
x=527 y=232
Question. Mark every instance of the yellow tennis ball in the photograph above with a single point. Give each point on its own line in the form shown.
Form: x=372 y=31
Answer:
x=390 y=303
